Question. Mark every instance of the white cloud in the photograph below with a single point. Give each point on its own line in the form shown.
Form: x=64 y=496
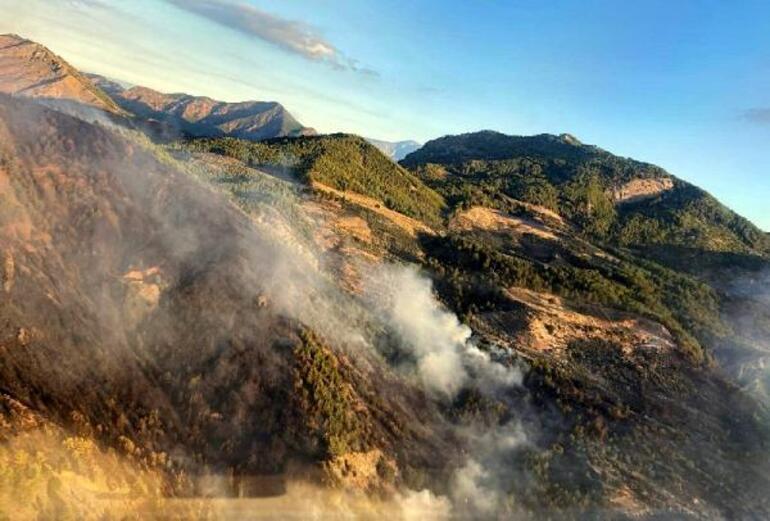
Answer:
x=290 y=35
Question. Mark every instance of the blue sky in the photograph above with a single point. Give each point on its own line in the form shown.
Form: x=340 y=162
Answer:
x=683 y=84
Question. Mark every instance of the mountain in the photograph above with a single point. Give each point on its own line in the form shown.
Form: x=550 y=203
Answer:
x=202 y=116
x=616 y=199
x=623 y=343
x=138 y=310
x=341 y=162
x=395 y=150
x=638 y=211
x=498 y=327
x=29 y=69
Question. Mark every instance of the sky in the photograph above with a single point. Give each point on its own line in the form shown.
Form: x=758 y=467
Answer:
x=683 y=84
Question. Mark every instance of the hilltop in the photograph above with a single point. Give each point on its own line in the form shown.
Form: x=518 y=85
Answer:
x=615 y=199
x=29 y=69
x=341 y=161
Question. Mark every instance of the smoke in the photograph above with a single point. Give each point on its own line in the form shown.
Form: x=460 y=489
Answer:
x=486 y=485
x=746 y=353
x=436 y=349
x=434 y=346
x=86 y=113
x=469 y=487
x=208 y=282
x=443 y=355
x=751 y=286
x=446 y=360
x=433 y=336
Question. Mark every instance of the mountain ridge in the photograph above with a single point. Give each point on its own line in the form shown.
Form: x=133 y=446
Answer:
x=30 y=69
x=497 y=327
x=201 y=116
x=629 y=201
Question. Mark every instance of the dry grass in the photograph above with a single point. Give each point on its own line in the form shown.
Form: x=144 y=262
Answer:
x=552 y=324
x=408 y=224
x=487 y=219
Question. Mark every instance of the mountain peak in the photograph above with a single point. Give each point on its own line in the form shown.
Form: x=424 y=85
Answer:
x=31 y=70
x=493 y=145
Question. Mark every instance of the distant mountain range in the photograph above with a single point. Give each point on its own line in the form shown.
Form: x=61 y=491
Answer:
x=29 y=69
x=200 y=116
x=396 y=150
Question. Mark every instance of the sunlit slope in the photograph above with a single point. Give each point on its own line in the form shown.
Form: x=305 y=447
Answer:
x=145 y=306
x=343 y=162
x=29 y=69
x=179 y=113
x=612 y=198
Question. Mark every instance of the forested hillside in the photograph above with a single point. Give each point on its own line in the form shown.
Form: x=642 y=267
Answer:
x=498 y=327
x=344 y=162
x=611 y=198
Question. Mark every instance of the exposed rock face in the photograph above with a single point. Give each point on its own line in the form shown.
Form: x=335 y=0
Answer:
x=205 y=117
x=640 y=189
x=29 y=69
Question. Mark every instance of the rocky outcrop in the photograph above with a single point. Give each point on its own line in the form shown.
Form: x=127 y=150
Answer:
x=640 y=189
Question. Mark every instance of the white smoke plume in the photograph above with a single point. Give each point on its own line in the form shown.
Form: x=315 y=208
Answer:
x=277 y=261
x=446 y=360
x=445 y=357
x=434 y=337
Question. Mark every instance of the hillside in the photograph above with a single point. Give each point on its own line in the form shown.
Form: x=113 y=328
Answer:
x=618 y=344
x=29 y=69
x=340 y=161
x=99 y=339
x=201 y=116
x=216 y=327
x=661 y=246
x=612 y=198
